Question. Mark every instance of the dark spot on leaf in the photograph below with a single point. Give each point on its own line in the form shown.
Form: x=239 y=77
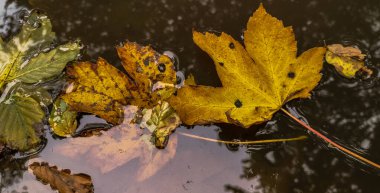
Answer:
x=283 y=86
x=232 y=45
x=238 y=103
x=146 y=61
x=161 y=67
x=291 y=74
x=221 y=63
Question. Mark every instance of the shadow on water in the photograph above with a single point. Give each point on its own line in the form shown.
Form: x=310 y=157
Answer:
x=346 y=110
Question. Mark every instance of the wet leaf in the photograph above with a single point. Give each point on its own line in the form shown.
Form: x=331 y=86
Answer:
x=35 y=34
x=101 y=89
x=257 y=80
x=27 y=61
x=153 y=73
x=62 y=120
x=346 y=60
x=19 y=116
x=118 y=146
x=46 y=65
x=62 y=180
x=161 y=121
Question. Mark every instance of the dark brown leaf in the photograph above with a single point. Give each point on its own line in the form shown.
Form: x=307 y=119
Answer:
x=62 y=180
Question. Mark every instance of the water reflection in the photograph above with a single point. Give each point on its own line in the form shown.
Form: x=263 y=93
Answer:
x=344 y=109
x=11 y=171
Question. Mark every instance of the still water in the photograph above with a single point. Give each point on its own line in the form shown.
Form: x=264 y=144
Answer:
x=346 y=110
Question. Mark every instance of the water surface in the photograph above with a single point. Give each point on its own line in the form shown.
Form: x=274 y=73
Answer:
x=346 y=110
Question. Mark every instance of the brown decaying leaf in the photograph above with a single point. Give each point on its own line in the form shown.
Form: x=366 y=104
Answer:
x=62 y=180
x=348 y=61
x=101 y=89
x=118 y=146
x=340 y=50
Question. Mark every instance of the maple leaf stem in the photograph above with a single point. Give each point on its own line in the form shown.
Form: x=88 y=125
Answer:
x=339 y=147
x=243 y=142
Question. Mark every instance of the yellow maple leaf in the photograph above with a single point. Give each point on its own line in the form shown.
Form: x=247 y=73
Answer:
x=256 y=80
x=101 y=89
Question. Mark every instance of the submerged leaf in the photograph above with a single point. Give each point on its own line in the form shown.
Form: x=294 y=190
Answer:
x=346 y=60
x=19 y=116
x=161 y=121
x=62 y=120
x=257 y=80
x=118 y=146
x=62 y=180
x=101 y=89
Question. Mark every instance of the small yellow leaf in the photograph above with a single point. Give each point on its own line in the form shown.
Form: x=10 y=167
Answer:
x=346 y=60
x=257 y=80
x=62 y=120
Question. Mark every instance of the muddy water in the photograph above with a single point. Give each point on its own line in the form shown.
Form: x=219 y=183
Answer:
x=346 y=110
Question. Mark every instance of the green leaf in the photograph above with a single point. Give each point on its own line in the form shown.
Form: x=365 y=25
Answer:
x=35 y=35
x=47 y=65
x=19 y=116
x=62 y=121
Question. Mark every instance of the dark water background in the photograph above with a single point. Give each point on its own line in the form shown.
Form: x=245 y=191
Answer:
x=346 y=110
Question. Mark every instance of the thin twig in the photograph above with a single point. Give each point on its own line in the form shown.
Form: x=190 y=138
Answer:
x=349 y=152
x=243 y=142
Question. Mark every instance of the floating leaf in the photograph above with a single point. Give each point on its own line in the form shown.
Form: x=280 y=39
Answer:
x=101 y=89
x=62 y=180
x=62 y=120
x=148 y=69
x=257 y=80
x=35 y=34
x=161 y=121
x=47 y=65
x=118 y=146
x=29 y=58
x=346 y=60
x=19 y=116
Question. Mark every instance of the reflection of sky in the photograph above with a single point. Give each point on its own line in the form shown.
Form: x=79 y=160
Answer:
x=6 y=15
x=345 y=109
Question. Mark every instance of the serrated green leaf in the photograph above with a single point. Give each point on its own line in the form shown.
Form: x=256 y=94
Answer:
x=47 y=65
x=19 y=116
x=35 y=35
